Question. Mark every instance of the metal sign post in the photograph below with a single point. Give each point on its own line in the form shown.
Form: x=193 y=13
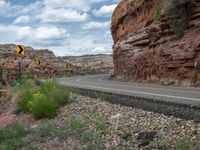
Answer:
x=195 y=73
x=20 y=72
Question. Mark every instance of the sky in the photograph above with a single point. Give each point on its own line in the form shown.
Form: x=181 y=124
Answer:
x=67 y=27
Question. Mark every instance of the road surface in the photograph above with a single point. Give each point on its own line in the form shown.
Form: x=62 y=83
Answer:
x=175 y=94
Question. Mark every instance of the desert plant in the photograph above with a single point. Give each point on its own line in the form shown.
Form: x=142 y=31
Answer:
x=56 y=92
x=89 y=136
x=164 y=145
x=41 y=106
x=1 y=93
x=51 y=130
x=13 y=131
x=10 y=137
x=101 y=124
x=77 y=124
x=178 y=12
x=12 y=83
x=1 y=72
x=60 y=96
x=158 y=13
x=37 y=82
x=183 y=145
x=24 y=100
x=42 y=99
x=49 y=86
x=1 y=77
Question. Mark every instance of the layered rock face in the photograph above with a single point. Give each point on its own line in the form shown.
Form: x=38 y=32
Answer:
x=51 y=65
x=157 y=40
x=92 y=64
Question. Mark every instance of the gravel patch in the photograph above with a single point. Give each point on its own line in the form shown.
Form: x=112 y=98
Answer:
x=168 y=108
x=128 y=128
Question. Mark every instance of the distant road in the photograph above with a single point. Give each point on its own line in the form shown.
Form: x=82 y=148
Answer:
x=181 y=95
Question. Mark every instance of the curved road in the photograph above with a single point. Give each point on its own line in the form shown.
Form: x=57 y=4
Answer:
x=181 y=95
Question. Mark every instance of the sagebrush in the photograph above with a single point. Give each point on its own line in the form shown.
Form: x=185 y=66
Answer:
x=42 y=99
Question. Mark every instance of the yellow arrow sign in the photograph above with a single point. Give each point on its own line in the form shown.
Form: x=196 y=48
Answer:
x=38 y=62
x=20 y=50
x=67 y=65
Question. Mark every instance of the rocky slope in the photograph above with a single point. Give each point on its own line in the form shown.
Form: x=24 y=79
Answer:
x=157 y=40
x=51 y=65
x=95 y=64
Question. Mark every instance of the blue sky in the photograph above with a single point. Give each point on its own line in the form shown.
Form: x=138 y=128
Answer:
x=67 y=27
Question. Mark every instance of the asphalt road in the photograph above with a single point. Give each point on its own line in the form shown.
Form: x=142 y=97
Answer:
x=175 y=94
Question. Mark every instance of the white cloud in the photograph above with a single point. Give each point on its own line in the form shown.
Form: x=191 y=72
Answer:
x=30 y=35
x=45 y=33
x=7 y=10
x=99 y=50
x=63 y=15
x=68 y=27
x=96 y=25
x=80 y=5
x=105 y=11
x=22 y=19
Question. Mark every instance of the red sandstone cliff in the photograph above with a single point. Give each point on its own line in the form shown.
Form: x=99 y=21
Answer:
x=157 y=40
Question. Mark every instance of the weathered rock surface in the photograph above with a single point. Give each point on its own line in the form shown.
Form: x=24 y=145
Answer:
x=157 y=40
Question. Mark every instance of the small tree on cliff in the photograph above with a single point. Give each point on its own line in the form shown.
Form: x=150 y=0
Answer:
x=1 y=73
x=178 y=12
x=1 y=76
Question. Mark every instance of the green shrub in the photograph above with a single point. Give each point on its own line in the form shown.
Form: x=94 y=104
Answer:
x=25 y=84
x=13 y=131
x=56 y=92
x=37 y=82
x=89 y=136
x=183 y=145
x=41 y=106
x=3 y=82
x=77 y=124
x=26 y=81
x=1 y=72
x=164 y=145
x=179 y=15
x=158 y=13
x=1 y=76
x=52 y=130
x=60 y=96
x=27 y=77
x=49 y=86
x=12 y=144
x=11 y=137
x=42 y=99
x=101 y=124
x=1 y=93
x=24 y=100
x=12 y=83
